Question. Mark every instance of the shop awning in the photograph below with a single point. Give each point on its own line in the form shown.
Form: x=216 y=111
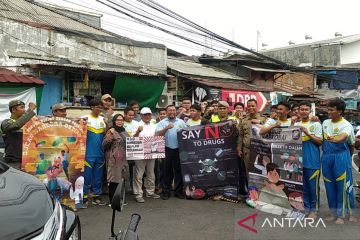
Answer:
x=8 y=76
x=124 y=70
x=229 y=84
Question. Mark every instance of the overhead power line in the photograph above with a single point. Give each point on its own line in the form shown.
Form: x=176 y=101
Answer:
x=152 y=25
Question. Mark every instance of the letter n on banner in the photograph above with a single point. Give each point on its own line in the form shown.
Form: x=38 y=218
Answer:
x=213 y=132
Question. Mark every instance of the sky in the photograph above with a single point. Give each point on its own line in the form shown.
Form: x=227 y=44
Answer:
x=276 y=21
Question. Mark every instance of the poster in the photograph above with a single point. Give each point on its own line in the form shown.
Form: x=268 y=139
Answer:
x=275 y=178
x=139 y=148
x=54 y=151
x=234 y=96
x=205 y=93
x=209 y=161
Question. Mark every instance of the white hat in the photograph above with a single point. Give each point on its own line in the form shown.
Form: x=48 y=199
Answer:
x=145 y=110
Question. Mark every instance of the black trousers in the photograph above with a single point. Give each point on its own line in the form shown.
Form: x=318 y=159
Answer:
x=243 y=177
x=171 y=170
x=157 y=172
x=112 y=189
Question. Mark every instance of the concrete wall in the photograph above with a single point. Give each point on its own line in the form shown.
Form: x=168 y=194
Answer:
x=316 y=55
x=38 y=45
x=350 y=53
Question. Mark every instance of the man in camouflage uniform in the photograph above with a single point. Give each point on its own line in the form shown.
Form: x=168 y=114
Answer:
x=12 y=129
x=244 y=128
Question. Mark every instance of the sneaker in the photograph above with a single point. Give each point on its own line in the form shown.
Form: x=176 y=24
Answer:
x=158 y=190
x=140 y=199
x=98 y=201
x=165 y=196
x=154 y=195
x=85 y=203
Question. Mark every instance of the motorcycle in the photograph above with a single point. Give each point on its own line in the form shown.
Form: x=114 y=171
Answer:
x=117 y=204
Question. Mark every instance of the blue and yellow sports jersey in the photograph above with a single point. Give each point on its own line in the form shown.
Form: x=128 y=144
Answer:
x=310 y=151
x=95 y=135
x=270 y=121
x=332 y=129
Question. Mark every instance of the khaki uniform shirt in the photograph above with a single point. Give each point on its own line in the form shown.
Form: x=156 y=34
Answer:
x=244 y=129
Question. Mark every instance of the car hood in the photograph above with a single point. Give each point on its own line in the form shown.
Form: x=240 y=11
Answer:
x=25 y=204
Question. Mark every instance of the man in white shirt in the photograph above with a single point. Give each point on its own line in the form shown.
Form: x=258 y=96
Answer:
x=283 y=109
x=147 y=129
x=132 y=128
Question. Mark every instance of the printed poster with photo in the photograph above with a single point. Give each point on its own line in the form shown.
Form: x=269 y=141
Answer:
x=54 y=152
x=275 y=184
x=139 y=148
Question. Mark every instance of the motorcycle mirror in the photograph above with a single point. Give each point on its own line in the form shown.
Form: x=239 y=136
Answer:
x=118 y=200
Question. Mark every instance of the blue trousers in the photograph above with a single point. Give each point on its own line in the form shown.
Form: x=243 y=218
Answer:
x=93 y=175
x=311 y=189
x=336 y=167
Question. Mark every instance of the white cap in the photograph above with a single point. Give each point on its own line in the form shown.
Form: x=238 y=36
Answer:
x=145 y=110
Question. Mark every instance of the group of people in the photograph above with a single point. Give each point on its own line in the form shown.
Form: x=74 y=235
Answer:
x=106 y=147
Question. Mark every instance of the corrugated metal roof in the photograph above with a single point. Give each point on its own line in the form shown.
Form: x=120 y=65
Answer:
x=139 y=72
x=38 y=15
x=23 y=11
x=266 y=69
x=8 y=76
x=331 y=41
x=198 y=69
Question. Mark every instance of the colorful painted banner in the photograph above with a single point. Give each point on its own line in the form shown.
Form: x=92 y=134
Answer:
x=139 y=148
x=54 y=151
x=209 y=161
x=275 y=181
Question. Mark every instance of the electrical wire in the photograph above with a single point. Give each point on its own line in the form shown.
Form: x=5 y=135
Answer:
x=134 y=21
x=152 y=25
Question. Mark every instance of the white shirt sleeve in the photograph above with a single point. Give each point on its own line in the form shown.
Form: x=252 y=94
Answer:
x=269 y=122
x=318 y=130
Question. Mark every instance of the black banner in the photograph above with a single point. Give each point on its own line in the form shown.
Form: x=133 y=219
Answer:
x=208 y=160
x=204 y=93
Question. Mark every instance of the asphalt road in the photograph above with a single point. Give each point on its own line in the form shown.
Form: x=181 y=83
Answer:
x=206 y=219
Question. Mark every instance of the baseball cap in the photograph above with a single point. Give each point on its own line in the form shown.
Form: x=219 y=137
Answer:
x=223 y=103
x=145 y=110
x=58 y=106
x=106 y=96
x=14 y=103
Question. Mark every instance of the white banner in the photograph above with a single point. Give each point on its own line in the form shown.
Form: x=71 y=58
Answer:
x=25 y=96
x=139 y=148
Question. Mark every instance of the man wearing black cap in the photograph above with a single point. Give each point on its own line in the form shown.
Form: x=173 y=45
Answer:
x=11 y=129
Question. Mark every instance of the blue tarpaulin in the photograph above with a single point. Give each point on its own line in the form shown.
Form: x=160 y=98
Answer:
x=340 y=79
